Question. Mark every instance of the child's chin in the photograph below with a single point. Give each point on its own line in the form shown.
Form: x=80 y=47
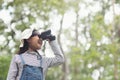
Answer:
x=39 y=47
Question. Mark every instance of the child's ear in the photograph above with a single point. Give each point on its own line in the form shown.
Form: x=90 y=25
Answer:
x=28 y=40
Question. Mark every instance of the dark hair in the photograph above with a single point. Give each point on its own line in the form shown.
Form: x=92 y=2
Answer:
x=24 y=48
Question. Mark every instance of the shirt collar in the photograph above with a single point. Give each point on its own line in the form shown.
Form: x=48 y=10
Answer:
x=31 y=52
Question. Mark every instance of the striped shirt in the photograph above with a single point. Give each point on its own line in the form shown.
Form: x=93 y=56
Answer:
x=32 y=58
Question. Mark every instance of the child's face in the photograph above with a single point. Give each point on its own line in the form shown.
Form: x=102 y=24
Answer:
x=35 y=42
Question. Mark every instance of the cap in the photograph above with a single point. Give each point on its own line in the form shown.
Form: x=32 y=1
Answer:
x=26 y=34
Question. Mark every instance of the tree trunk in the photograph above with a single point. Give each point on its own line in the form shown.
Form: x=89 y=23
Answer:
x=76 y=29
x=64 y=67
x=115 y=54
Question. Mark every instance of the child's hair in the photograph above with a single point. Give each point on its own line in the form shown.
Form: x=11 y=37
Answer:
x=24 y=48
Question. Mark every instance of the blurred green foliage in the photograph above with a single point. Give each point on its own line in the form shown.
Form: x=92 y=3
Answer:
x=4 y=66
x=97 y=53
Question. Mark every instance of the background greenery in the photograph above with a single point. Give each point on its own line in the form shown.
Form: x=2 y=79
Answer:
x=91 y=46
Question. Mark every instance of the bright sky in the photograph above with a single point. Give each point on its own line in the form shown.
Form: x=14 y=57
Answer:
x=69 y=18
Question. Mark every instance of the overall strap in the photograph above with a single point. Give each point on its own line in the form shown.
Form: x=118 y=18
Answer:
x=23 y=62
x=39 y=57
x=41 y=61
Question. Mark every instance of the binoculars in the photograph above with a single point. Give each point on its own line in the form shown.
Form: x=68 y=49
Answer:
x=47 y=35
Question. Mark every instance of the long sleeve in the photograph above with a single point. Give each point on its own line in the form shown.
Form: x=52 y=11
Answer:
x=12 y=70
x=59 y=57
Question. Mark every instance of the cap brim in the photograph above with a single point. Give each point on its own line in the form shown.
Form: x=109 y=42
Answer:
x=25 y=35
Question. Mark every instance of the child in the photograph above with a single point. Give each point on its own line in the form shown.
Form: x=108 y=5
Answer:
x=28 y=64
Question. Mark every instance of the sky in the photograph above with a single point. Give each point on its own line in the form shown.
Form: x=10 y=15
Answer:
x=69 y=19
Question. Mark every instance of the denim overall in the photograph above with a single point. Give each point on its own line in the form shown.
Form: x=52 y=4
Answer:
x=31 y=72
